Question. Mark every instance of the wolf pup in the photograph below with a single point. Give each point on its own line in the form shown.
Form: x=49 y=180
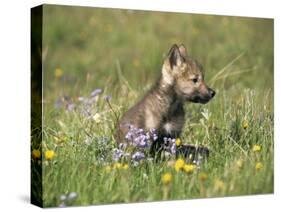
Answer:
x=161 y=109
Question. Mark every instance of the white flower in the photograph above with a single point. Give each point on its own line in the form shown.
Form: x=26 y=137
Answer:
x=145 y=176
x=88 y=141
x=97 y=118
x=72 y=196
x=63 y=197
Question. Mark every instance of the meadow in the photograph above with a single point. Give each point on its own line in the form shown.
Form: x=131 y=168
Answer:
x=99 y=62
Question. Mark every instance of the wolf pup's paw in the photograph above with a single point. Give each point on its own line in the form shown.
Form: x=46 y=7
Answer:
x=193 y=154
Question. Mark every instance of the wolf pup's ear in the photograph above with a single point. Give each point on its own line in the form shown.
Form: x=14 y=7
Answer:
x=175 y=57
x=183 y=51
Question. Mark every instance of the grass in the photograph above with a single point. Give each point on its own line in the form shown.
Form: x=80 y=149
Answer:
x=121 y=52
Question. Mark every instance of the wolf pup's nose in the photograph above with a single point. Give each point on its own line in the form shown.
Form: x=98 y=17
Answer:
x=212 y=92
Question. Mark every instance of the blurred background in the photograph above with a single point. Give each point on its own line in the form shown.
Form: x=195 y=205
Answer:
x=122 y=50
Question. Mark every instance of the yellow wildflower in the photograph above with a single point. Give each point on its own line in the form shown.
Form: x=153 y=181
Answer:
x=219 y=185
x=259 y=166
x=179 y=164
x=178 y=142
x=202 y=176
x=166 y=178
x=125 y=166
x=189 y=168
x=117 y=165
x=58 y=72
x=245 y=124
x=49 y=154
x=36 y=154
x=256 y=148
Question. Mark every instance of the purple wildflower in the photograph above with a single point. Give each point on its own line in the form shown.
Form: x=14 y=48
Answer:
x=107 y=98
x=137 y=156
x=118 y=153
x=129 y=136
x=152 y=131
x=96 y=92
x=141 y=141
x=86 y=112
x=126 y=155
x=147 y=136
x=173 y=148
x=62 y=205
x=138 y=137
x=58 y=103
x=87 y=102
x=62 y=101
x=70 y=106
x=122 y=145
x=153 y=134
x=154 y=137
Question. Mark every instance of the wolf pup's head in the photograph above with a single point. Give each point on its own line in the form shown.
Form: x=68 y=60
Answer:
x=186 y=76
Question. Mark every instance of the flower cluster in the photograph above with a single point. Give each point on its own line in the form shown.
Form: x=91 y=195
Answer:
x=139 y=138
x=189 y=168
x=86 y=104
x=119 y=166
x=181 y=165
x=116 y=166
x=140 y=142
x=65 y=102
x=119 y=153
x=82 y=104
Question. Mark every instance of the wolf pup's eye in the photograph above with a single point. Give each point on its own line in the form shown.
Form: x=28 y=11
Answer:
x=195 y=80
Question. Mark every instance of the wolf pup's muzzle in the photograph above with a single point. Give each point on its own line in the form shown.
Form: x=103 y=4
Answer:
x=211 y=92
